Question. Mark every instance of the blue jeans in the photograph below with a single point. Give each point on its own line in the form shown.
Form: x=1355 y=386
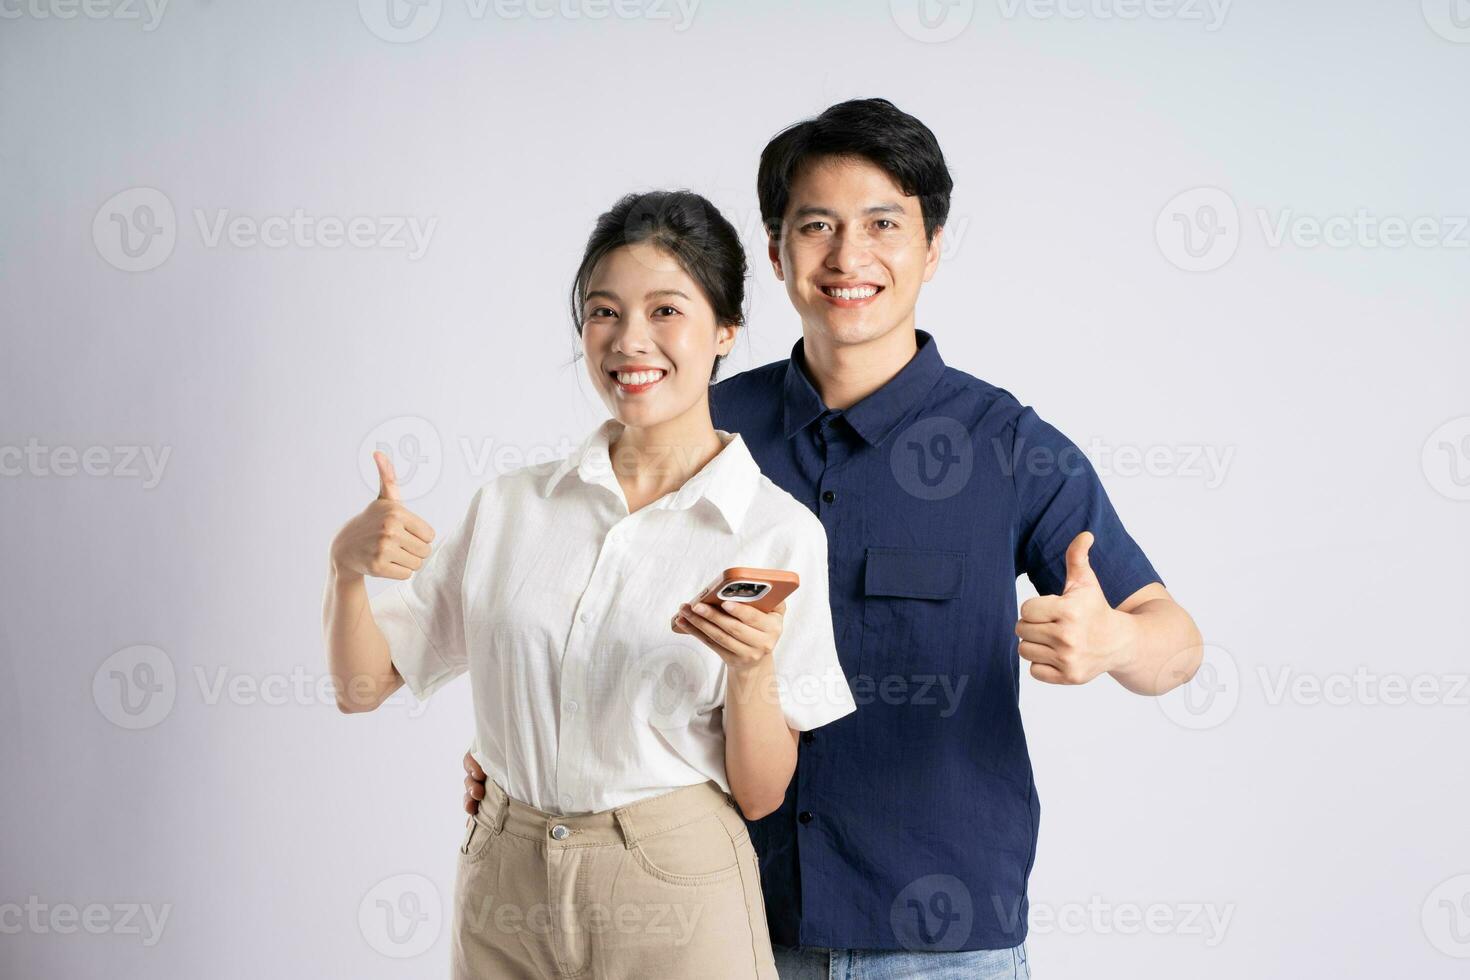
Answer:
x=810 y=963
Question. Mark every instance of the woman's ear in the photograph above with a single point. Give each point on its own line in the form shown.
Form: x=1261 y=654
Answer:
x=725 y=337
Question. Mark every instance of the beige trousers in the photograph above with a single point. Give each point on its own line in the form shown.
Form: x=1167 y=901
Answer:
x=667 y=888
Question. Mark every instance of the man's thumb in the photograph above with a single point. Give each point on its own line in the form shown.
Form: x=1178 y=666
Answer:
x=387 y=479
x=1079 y=570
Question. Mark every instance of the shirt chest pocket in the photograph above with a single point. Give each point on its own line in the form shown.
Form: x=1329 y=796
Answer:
x=913 y=612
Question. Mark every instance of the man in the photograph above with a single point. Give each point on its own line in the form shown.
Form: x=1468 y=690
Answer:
x=909 y=831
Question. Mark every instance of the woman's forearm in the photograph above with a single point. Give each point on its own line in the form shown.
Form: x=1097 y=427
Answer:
x=362 y=670
x=760 y=750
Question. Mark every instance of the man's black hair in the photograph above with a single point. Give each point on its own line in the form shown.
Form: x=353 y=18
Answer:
x=873 y=129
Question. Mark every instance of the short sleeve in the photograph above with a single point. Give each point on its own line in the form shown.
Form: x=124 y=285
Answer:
x=813 y=688
x=1060 y=496
x=423 y=617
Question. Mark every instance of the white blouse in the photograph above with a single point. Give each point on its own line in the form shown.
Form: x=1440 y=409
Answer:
x=559 y=603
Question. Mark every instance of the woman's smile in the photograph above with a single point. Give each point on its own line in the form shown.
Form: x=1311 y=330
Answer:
x=636 y=380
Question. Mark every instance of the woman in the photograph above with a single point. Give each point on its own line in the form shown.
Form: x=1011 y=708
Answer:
x=620 y=728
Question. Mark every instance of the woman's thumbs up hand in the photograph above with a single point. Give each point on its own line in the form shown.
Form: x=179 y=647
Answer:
x=386 y=540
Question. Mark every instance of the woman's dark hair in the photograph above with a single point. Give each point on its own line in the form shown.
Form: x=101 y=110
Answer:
x=687 y=227
x=875 y=130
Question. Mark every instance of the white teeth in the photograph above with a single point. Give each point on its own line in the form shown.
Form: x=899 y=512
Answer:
x=638 y=377
x=861 y=292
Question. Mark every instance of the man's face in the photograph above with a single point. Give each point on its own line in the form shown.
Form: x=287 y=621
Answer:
x=852 y=251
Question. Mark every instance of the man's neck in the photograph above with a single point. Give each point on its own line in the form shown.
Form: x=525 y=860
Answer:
x=845 y=374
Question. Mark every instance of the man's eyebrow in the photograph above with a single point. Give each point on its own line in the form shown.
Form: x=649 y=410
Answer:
x=809 y=210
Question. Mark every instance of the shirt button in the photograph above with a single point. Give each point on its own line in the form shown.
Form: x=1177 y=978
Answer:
x=805 y=816
x=566 y=802
x=586 y=617
x=570 y=707
x=828 y=496
x=560 y=832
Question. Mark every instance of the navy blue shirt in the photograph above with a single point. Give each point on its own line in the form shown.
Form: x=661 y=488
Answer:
x=912 y=822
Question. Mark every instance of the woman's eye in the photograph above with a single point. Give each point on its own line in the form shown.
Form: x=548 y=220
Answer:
x=665 y=311
x=601 y=311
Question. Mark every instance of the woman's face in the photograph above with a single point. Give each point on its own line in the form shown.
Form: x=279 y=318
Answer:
x=647 y=320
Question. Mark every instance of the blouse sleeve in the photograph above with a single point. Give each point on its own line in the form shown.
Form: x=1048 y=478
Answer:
x=812 y=686
x=423 y=616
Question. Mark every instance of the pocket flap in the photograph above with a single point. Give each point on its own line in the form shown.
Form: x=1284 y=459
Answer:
x=916 y=573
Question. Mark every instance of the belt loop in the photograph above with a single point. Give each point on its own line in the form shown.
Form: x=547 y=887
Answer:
x=628 y=826
x=499 y=804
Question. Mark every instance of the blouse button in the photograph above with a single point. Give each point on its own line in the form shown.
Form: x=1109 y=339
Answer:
x=586 y=617
x=828 y=496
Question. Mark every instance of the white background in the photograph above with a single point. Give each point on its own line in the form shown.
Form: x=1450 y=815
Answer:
x=1327 y=546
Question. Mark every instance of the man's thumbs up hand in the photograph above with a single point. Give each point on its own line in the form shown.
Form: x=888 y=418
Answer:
x=387 y=539
x=1079 y=570
x=1073 y=637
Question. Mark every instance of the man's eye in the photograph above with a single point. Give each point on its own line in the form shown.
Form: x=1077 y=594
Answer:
x=665 y=311
x=814 y=226
x=886 y=224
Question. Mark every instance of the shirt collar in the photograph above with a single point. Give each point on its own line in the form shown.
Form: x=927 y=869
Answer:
x=728 y=481
x=876 y=415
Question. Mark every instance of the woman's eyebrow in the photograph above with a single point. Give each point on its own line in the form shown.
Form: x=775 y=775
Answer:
x=604 y=293
x=664 y=292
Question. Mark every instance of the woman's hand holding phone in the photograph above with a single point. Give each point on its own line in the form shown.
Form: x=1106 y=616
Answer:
x=386 y=540
x=741 y=634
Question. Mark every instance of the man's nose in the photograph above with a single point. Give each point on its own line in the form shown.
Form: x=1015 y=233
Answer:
x=851 y=250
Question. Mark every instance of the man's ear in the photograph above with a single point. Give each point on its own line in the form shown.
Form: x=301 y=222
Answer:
x=931 y=259
x=773 y=250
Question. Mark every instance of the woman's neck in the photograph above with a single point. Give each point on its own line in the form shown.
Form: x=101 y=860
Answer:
x=650 y=461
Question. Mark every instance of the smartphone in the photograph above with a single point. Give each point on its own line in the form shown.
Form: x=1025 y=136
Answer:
x=764 y=588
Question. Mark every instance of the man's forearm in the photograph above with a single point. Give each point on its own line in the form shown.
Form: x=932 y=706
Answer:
x=1165 y=649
